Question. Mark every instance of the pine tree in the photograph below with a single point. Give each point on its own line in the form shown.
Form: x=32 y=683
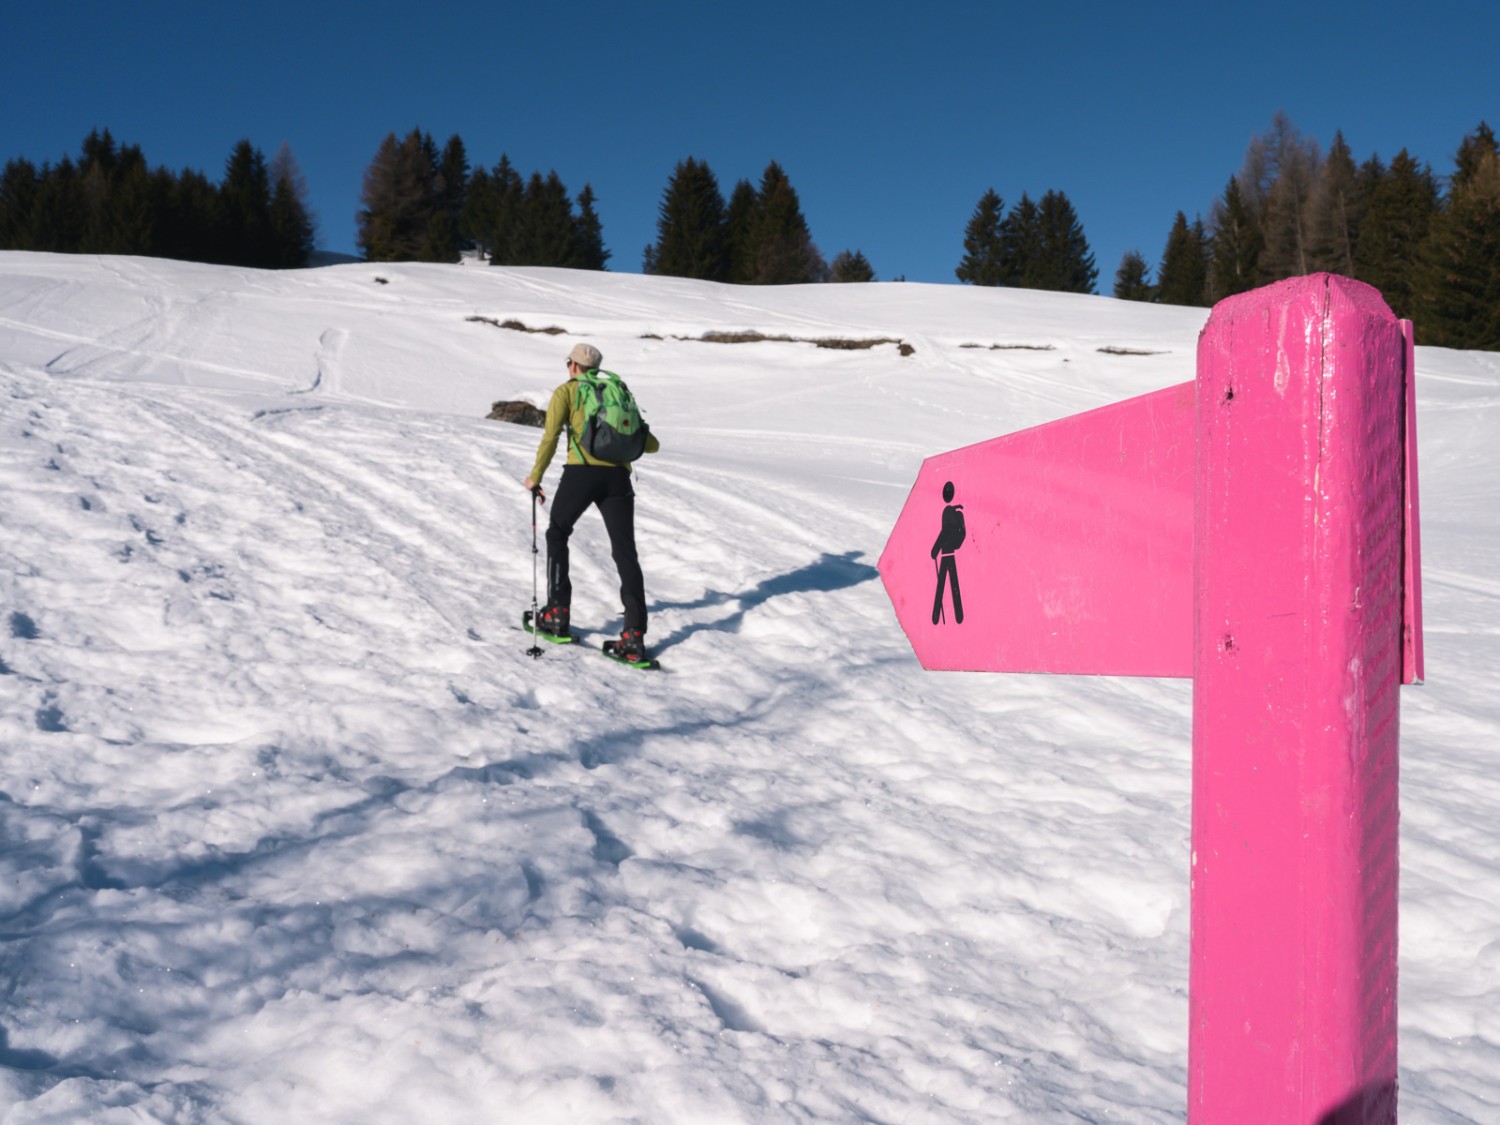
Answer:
x=1279 y=150
x=588 y=233
x=59 y=210
x=982 y=262
x=1370 y=176
x=851 y=267
x=401 y=194
x=190 y=228
x=197 y=211
x=547 y=236
x=129 y=215
x=784 y=250
x=477 y=220
x=1021 y=245
x=507 y=213
x=380 y=233
x=99 y=154
x=1274 y=183
x=292 y=227
x=691 y=238
x=1065 y=263
x=1257 y=173
x=112 y=191
x=19 y=184
x=1234 y=258
x=1334 y=211
x=453 y=179
x=1472 y=153
x=96 y=173
x=1284 y=217
x=741 y=222
x=1458 y=303
x=160 y=189
x=1133 y=278
x=1183 y=277
x=444 y=186
x=245 y=208
x=1396 y=224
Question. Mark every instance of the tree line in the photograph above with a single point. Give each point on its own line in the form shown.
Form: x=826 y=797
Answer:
x=759 y=236
x=1431 y=246
x=428 y=205
x=421 y=203
x=1035 y=246
x=109 y=201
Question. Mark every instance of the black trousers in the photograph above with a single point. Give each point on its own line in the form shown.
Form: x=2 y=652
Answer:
x=609 y=487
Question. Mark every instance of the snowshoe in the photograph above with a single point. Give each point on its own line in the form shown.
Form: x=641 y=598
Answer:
x=551 y=624
x=630 y=649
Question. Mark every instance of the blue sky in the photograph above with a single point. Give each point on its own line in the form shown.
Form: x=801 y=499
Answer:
x=890 y=119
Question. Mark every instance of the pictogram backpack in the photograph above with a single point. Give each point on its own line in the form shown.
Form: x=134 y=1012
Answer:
x=613 y=430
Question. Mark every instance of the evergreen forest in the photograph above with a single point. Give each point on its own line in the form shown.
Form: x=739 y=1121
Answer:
x=1038 y=245
x=759 y=236
x=1429 y=243
x=425 y=204
x=109 y=201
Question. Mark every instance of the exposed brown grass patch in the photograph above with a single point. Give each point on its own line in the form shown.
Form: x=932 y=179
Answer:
x=517 y=326
x=836 y=343
x=1012 y=347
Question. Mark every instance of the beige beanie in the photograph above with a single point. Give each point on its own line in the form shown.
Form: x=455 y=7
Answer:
x=586 y=356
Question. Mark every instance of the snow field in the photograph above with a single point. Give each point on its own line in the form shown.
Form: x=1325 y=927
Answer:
x=291 y=828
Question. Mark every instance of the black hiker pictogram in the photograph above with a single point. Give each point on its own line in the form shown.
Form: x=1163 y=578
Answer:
x=949 y=539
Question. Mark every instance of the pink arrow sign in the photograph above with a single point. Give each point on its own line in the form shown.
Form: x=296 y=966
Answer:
x=1077 y=552
x=1256 y=530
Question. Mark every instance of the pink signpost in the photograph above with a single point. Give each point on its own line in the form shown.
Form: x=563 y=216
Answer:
x=1256 y=530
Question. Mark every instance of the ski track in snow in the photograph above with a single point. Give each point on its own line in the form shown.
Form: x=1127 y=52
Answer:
x=293 y=828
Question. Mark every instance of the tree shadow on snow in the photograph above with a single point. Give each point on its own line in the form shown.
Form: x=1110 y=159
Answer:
x=825 y=575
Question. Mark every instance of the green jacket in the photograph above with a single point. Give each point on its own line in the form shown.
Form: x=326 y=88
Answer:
x=564 y=410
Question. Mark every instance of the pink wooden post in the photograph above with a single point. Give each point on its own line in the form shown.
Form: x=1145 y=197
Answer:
x=1299 y=546
x=1279 y=565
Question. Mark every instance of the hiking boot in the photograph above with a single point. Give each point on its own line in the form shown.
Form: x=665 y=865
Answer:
x=552 y=620
x=631 y=646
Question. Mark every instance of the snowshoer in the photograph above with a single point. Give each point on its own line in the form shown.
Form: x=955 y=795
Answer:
x=588 y=481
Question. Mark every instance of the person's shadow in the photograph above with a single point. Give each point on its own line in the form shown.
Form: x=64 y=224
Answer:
x=825 y=574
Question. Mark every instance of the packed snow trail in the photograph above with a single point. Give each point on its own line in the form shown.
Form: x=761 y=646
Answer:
x=317 y=614
x=294 y=828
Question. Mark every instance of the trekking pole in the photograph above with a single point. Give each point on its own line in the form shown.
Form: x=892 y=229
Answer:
x=535 y=651
x=942 y=610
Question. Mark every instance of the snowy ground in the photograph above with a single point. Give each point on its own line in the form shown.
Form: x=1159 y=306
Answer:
x=292 y=828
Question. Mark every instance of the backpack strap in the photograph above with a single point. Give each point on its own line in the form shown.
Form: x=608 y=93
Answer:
x=591 y=375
